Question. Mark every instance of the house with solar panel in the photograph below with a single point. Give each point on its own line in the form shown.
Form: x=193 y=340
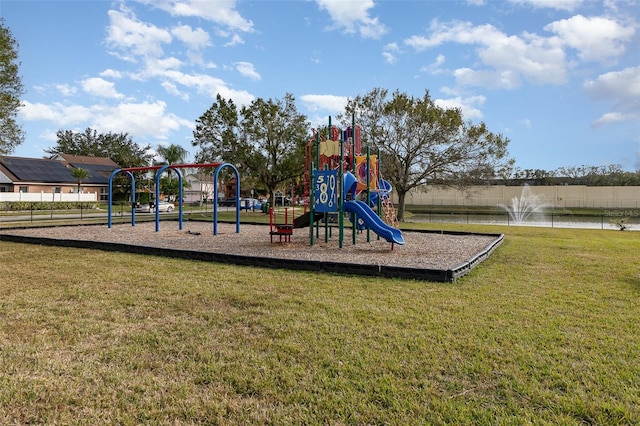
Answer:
x=47 y=179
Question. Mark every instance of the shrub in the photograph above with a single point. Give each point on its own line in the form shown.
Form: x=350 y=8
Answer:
x=42 y=205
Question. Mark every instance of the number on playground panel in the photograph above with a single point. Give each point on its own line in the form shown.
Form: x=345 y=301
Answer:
x=332 y=187
x=324 y=197
x=325 y=189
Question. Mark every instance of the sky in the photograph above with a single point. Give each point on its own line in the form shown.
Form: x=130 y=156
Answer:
x=559 y=78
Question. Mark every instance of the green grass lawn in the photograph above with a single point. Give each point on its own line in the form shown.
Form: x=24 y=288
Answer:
x=546 y=331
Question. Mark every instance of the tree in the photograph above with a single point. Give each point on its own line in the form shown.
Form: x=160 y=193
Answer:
x=80 y=174
x=172 y=154
x=422 y=143
x=275 y=134
x=118 y=147
x=217 y=133
x=265 y=139
x=11 y=89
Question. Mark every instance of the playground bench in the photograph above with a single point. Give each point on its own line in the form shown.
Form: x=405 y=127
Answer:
x=282 y=231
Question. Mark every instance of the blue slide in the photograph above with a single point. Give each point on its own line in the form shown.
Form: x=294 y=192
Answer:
x=371 y=219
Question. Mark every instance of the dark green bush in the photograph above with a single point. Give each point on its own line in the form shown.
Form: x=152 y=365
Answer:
x=27 y=206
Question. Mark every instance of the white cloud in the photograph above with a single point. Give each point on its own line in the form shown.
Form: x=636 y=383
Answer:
x=66 y=90
x=458 y=32
x=132 y=38
x=140 y=120
x=158 y=67
x=247 y=69
x=509 y=58
x=353 y=16
x=504 y=79
x=195 y=39
x=207 y=86
x=595 y=38
x=389 y=57
x=623 y=86
x=110 y=73
x=389 y=52
x=568 y=5
x=146 y=119
x=60 y=114
x=222 y=12
x=97 y=86
x=434 y=67
x=235 y=40
x=620 y=87
x=172 y=89
x=328 y=103
x=614 y=117
x=469 y=105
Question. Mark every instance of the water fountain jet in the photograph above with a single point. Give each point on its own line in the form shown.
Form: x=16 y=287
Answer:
x=523 y=207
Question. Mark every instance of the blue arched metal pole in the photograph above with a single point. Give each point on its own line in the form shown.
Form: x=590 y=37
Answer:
x=179 y=198
x=157 y=195
x=133 y=198
x=158 y=174
x=215 y=196
x=110 y=197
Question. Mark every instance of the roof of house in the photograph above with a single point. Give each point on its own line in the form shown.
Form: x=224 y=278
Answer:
x=83 y=160
x=57 y=171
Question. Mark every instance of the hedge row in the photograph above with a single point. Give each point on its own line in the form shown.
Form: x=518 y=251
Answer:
x=42 y=205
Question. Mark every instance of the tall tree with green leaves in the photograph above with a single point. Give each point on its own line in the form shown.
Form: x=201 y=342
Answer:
x=172 y=154
x=217 y=133
x=265 y=140
x=11 y=89
x=117 y=146
x=274 y=137
x=422 y=143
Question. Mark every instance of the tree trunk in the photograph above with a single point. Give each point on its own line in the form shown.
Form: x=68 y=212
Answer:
x=401 y=198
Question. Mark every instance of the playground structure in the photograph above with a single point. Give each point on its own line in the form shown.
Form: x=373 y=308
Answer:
x=175 y=167
x=340 y=179
x=352 y=186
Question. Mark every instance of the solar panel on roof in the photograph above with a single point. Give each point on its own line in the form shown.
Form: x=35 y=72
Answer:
x=36 y=170
x=98 y=173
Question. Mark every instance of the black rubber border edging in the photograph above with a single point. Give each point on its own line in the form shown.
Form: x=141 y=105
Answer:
x=437 y=275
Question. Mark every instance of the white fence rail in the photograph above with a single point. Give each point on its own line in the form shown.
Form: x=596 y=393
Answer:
x=33 y=197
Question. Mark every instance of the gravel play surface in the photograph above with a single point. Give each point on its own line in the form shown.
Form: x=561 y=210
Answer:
x=426 y=250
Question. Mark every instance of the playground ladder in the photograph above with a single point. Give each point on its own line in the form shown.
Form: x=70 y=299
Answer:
x=389 y=212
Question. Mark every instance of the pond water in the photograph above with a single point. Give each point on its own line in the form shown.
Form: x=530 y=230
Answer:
x=555 y=220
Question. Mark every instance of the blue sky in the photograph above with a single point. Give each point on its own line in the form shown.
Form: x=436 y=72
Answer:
x=559 y=78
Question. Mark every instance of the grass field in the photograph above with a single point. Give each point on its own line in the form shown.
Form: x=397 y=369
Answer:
x=546 y=331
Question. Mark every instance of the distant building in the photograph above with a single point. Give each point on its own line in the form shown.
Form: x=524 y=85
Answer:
x=29 y=179
x=197 y=190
